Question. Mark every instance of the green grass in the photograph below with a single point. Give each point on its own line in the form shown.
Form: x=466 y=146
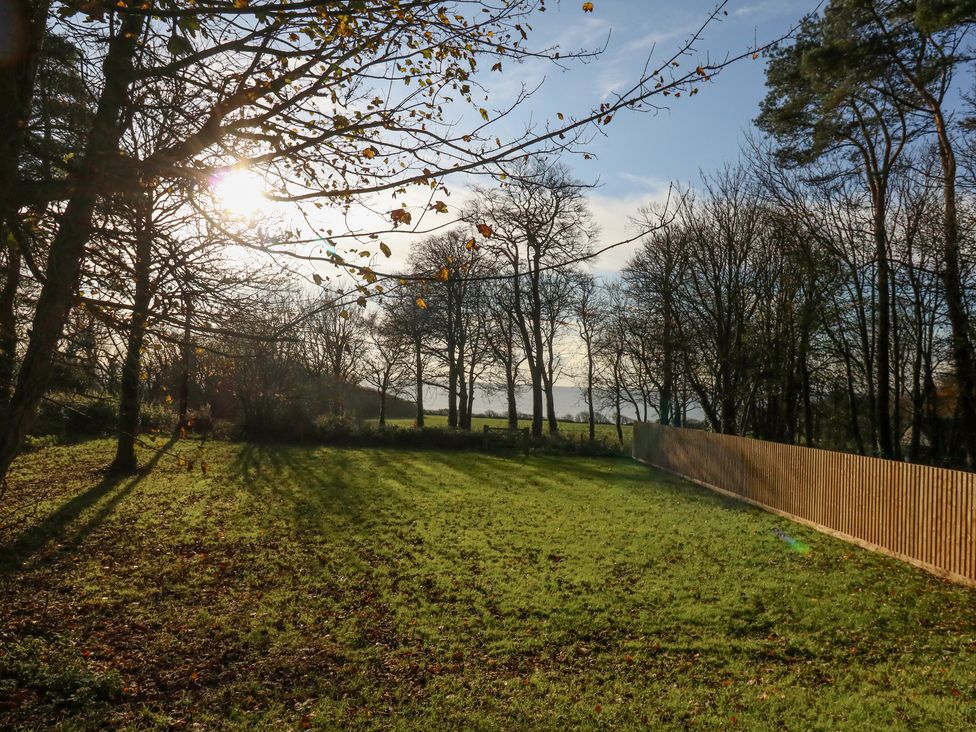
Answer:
x=297 y=588
x=573 y=430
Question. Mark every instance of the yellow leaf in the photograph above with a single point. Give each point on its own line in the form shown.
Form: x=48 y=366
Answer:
x=484 y=114
x=587 y=7
x=385 y=249
x=471 y=245
x=370 y=152
x=443 y=274
x=439 y=207
x=241 y=4
x=421 y=304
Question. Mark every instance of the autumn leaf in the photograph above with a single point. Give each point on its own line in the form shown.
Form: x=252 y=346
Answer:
x=204 y=467
x=443 y=274
x=421 y=303
x=401 y=216
x=370 y=152
x=385 y=249
x=439 y=207
x=317 y=278
x=471 y=245
x=485 y=230
x=361 y=301
x=344 y=314
x=241 y=4
x=587 y=7
x=484 y=114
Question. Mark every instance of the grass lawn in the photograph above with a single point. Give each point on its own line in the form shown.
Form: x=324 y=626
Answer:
x=319 y=588
x=572 y=430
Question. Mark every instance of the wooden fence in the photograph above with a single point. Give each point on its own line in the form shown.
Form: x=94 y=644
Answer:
x=922 y=515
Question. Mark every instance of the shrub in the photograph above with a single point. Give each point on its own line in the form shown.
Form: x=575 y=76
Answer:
x=156 y=418
x=74 y=415
x=342 y=432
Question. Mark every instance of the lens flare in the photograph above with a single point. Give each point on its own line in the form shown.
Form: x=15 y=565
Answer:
x=796 y=545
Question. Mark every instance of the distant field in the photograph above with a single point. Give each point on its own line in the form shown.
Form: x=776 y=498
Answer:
x=569 y=429
x=296 y=588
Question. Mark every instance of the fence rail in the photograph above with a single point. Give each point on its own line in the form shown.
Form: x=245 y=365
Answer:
x=920 y=514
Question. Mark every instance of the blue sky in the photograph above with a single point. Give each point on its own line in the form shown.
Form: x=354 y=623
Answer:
x=641 y=151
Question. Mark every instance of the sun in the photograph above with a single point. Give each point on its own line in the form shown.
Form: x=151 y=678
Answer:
x=240 y=194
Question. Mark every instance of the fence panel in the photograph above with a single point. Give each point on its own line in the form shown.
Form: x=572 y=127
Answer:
x=920 y=514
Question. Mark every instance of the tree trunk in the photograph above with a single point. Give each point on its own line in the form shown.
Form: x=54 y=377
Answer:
x=470 y=411
x=462 y=393
x=538 y=387
x=187 y=349
x=420 y=381
x=125 y=451
x=383 y=389
x=510 y=394
x=17 y=81
x=68 y=247
x=852 y=403
x=452 y=368
x=807 y=403
x=536 y=322
x=8 y=321
x=550 y=404
x=883 y=349
x=589 y=391
x=962 y=347
x=617 y=418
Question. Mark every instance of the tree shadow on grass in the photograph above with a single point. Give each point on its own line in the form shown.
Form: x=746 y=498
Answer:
x=558 y=470
x=320 y=488
x=17 y=555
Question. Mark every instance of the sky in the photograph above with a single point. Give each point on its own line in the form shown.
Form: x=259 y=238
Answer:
x=639 y=154
x=635 y=158
x=643 y=152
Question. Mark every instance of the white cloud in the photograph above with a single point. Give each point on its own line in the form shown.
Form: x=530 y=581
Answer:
x=614 y=216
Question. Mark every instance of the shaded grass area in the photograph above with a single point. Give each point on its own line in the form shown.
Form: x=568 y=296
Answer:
x=321 y=588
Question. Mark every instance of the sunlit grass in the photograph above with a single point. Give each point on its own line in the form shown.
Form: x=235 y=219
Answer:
x=293 y=588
